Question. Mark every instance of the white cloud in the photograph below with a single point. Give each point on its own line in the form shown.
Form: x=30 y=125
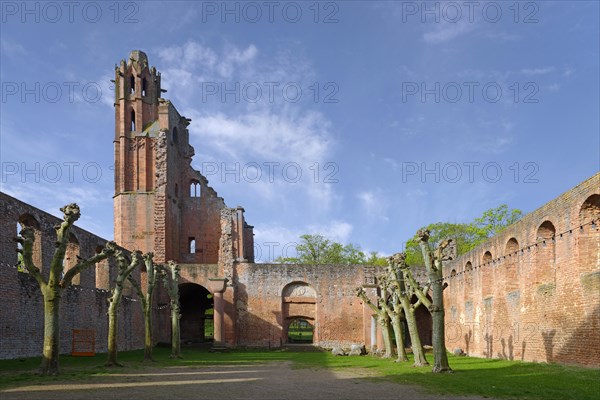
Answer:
x=537 y=71
x=446 y=31
x=195 y=55
x=12 y=49
x=374 y=203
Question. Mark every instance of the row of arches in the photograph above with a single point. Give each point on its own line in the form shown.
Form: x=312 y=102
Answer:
x=72 y=253
x=537 y=267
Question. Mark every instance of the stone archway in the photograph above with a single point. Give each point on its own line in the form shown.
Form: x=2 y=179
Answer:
x=298 y=309
x=196 y=313
x=300 y=330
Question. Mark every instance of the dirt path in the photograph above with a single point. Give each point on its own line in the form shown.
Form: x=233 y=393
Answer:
x=276 y=380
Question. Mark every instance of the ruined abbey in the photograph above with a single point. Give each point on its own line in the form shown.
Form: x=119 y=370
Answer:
x=530 y=293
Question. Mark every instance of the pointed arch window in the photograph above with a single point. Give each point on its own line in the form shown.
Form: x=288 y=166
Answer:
x=132 y=121
x=144 y=86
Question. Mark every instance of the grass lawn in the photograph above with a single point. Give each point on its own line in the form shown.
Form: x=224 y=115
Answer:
x=475 y=376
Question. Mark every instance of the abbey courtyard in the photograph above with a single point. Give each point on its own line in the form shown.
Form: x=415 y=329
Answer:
x=530 y=293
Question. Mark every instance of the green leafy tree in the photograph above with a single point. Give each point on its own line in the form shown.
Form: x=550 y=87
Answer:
x=376 y=259
x=316 y=249
x=495 y=220
x=466 y=236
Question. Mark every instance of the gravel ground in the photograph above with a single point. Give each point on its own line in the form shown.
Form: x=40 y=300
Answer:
x=275 y=380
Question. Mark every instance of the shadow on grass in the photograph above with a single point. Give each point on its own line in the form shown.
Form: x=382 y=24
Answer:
x=473 y=376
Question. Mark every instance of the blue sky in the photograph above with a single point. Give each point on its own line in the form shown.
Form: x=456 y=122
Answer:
x=396 y=114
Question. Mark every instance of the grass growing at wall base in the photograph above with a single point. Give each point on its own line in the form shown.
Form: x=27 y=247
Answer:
x=472 y=376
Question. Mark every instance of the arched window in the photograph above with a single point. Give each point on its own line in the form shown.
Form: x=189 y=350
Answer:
x=71 y=255
x=487 y=257
x=133 y=121
x=468 y=279
x=545 y=256
x=29 y=221
x=589 y=239
x=195 y=189
x=487 y=274
x=132 y=84
x=511 y=257
x=192 y=245
x=144 y=86
x=102 y=272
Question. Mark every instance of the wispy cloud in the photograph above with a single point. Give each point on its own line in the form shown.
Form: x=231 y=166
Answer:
x=374 y=203
x=11 y=48
x=537 y=71
x=446 y=31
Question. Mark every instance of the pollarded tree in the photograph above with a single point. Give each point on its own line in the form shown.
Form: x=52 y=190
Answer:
x=382 y=318
x=404 y=294
x=394 y=311
x=52 y=288
x=126 y=267
x=170 y=279
x=433 y=263
x=146 y=300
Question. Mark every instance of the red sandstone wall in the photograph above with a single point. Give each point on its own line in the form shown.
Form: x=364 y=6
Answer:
x=533 y=301
x=261 y=314
x=82 y=306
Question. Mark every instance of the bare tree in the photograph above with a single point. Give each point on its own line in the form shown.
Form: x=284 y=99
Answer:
x=146 y=300
x=126 y=267
x=382 y=317
x=52 y=288
x=388 y=295
x=170 y=278
x=433 y=263
x=404 y=294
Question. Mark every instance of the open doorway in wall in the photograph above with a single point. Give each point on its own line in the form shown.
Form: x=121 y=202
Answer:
x=300 y=330
x=196 y=313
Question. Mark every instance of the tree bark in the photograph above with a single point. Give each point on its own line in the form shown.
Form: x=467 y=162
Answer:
x=125 y=269
x=51 y=349
x=170 y=278
x=394 y=318
x=396 y=265
x=147 y=300
x=433 y=263
x=397 y=326
x=52 y=288
x=383 y=319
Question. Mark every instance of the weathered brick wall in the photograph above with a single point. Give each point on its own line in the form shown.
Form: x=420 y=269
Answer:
x=533 y=292
x=82 y=306
x=262 y=315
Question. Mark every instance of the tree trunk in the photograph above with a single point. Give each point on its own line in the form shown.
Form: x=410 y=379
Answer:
x=415 y=339
x=387 y=335
x=125 y=269
x=440 y=357
x=433 y=263
x=170 y=278
x=112 y=328
x=148 y=345
x=397 y=268
x=51 y=351
x=57 y=281
x=175 y=332
x=397 y=326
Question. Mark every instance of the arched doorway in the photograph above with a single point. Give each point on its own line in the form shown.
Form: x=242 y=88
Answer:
x=298 y=310
x=196 y=322
x=300 y=330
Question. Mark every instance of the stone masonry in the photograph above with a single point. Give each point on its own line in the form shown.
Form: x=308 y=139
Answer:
x=530 y=293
